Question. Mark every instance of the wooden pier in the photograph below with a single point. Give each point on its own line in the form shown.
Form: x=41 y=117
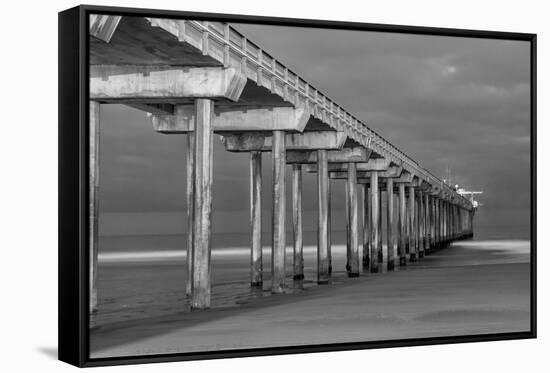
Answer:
x=197 y=79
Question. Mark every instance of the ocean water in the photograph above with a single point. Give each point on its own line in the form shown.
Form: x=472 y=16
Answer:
x=503 y=233
x=142 y=294
x=166 y=247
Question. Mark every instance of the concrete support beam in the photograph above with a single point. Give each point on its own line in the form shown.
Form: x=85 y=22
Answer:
x=150 y=84
x=363 y=177
x=200 y=297
x=322 y=222
x=256 y=260
x=375 y=214
x=103 y=27
x=274 y=119
x=278 y=209
x=296 y=143
x=390 y=223
x=394 y=172
x=354 y=222
x=378 y=165
x=356 y=154
x=156 y=109
x=298 y=263
x=93 y=201
x=406 y=177
x=190 y=203
x=402 y=247
x=339 y=170
x=258 y=123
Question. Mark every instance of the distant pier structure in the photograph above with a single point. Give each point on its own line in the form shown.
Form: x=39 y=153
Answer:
x=197 y=79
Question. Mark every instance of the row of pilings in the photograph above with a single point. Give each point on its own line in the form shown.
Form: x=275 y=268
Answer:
x=427 y=218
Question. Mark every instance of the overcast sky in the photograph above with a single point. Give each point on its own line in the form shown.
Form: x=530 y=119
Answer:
x=450 y=103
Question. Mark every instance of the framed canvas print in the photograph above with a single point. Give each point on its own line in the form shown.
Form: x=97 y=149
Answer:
x=234 y=186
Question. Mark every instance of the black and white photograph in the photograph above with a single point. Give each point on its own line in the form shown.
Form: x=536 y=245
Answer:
x=237 y=205
x=255 y=185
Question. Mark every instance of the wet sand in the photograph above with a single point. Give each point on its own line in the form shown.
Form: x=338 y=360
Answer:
x=472 y=287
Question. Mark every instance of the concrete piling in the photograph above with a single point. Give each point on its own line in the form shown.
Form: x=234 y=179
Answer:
x=256 y=262
x=402 y=248
x=322 y=222
x=412 y=229
x=366 y=226
x=390 y=223
x=298 y=253
x=348 y=230
x=190 y=203
x=278 y=243
x=380 y=246
x=420 y=224
x=375 y=214
x=427 y=223
x=200 y=297
x=329 y=229
x=353 y=259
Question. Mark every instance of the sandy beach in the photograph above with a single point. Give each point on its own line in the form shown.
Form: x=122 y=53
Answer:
x=471 y=287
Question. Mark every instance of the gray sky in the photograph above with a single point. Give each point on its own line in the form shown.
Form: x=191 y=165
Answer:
x=457 y=103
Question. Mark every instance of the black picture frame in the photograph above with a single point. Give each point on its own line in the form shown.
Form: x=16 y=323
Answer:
x=73 y=185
